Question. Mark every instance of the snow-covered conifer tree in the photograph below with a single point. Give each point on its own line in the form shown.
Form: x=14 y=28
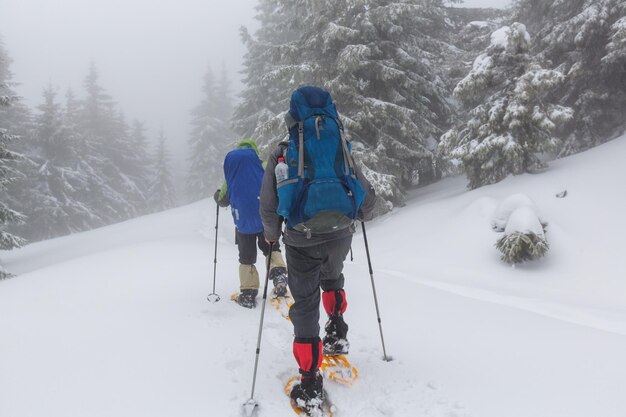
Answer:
x=266 y=92
x=584 y=40
x=51 y=190
x=162 y=194
x=210 y=137
x=472 y=29
x=380 y=61
x=128 y=159
x=615 y=59
x=512 y=116
x=78 y=162
x=7 y=171
x=105 y=152
x=139 y=164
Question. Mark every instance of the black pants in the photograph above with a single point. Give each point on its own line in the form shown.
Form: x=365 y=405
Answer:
x=247 y=244
x=309 y=269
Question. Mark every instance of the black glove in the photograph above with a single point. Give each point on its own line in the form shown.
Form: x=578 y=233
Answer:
x=223 y=202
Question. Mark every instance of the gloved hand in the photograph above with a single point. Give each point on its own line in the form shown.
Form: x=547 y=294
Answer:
x=224 y=201
x=273 y=237
x=360 y=216
x=271 y=240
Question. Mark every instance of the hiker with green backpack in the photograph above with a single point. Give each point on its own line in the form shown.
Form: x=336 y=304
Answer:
x=312 y=185
x=243 y=173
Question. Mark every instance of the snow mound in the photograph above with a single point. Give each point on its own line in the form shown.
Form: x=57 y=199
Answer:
x=524 y=220
x=508 y=206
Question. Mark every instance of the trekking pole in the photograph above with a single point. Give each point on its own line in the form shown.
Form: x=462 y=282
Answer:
x=250 y=405
x=351 y=257
x=213 y=297
x=369 y=263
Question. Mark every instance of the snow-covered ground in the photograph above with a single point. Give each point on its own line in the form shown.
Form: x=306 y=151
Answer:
x=115 y=322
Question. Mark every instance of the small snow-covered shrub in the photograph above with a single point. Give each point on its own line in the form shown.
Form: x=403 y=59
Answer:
x=524 y=237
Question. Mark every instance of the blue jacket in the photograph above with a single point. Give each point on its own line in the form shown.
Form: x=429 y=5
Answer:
x=243 y=171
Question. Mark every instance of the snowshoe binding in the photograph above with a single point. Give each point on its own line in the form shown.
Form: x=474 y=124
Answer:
x=245 y=298
x=308 y=397
x=335 y=341
x=278 y=275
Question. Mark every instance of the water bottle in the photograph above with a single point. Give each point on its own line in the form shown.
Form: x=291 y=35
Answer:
x=285 y=188
x=282 y=170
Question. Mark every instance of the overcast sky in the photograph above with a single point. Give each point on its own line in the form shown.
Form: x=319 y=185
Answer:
x=151 y=54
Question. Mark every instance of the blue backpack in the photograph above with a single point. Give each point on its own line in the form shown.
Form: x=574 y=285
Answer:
x=321 y=193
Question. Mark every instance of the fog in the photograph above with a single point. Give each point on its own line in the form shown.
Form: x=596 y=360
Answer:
x=151 y=55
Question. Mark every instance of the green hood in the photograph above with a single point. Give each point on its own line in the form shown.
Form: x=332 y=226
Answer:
x=248 y=143
x=244 y=143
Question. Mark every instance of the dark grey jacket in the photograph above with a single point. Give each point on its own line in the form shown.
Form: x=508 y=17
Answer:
x=272 y=222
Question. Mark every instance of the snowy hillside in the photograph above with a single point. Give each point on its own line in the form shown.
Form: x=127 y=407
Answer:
x=115 y=322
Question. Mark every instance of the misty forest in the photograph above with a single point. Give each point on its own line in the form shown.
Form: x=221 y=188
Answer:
x=425 y=91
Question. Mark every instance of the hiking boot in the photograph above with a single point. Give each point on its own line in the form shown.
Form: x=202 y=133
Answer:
x=308 y=395
x=335 y=341
x=278 y=276
x=247 y=298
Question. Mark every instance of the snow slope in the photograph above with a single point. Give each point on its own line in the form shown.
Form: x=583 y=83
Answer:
x=115 y=322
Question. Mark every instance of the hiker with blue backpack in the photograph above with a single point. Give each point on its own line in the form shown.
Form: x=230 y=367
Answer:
x=243 y=173
x=312 y=184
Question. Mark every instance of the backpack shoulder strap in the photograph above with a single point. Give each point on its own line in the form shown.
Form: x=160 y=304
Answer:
x=348 y=163
x=301 y=149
